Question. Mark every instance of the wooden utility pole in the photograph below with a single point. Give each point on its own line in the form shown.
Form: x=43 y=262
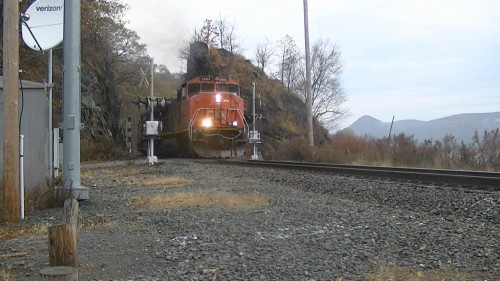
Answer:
x=11 y=193
x=310 y=134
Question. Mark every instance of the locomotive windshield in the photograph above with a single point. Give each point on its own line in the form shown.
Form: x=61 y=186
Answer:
x=207 y=87
x=233 y=89
x=193 y=89
x=227 y=88
x=221 y=88
x=197 y=88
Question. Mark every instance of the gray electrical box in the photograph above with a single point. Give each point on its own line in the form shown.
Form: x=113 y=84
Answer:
x=152 y=128
x=35 y=128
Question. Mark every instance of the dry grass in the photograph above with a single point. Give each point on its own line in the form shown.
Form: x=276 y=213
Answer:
x=169 y=181
x=93 y=224
x=5 y=275
x=100 y=150
x=397 y=273
x=152 y=181
x=202 y=199
x=10 y=231
x=132 y=176
x=111 y=172
x=41 y=197
x=44 y=197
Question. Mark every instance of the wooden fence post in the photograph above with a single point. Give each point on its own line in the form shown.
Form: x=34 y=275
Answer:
x=62 y=245
x=71 y=215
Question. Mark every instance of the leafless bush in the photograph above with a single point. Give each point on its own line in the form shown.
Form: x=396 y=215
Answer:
x=101 y=150
x=401 y=150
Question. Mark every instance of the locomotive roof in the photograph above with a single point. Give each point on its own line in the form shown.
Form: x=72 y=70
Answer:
x=209 y=78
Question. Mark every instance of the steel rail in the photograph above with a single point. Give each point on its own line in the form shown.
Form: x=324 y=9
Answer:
x=470 y=179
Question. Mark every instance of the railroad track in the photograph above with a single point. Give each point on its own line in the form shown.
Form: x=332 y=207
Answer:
x=470 y=179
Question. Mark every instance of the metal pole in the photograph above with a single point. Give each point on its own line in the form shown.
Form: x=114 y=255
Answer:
x=21 y=174
x=55 y=149
x=11 y=110
x=152 y=159
x=310 y=134
x=151 y=140
x=390 y=130
x=71 y=100
x=254 y=156
x=152 y=90
x=253 y=105
x=51 y=139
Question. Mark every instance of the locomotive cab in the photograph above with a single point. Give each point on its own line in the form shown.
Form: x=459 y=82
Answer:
x=207 y=118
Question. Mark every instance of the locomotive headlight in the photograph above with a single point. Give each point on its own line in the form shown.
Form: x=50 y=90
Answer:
x=218 y=98
x=206 y=123
x=235 y=123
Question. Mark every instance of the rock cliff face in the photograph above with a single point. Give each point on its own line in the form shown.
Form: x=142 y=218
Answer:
x=198 y=62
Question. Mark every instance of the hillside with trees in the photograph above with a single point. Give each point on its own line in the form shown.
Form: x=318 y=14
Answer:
x=113 y=55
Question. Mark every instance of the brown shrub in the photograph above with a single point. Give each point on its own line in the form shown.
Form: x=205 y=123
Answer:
x=401 y=150
x=45 y=197
x=297 y=149
x=101 y=150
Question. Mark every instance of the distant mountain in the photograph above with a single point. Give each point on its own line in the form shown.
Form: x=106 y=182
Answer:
x=461 y=126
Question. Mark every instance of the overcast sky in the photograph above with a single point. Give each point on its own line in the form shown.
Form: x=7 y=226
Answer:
x=414 y=59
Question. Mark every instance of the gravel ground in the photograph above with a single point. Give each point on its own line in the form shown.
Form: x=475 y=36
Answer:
x=314 y=227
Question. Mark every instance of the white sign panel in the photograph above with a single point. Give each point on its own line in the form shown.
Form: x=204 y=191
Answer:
x=45 y=19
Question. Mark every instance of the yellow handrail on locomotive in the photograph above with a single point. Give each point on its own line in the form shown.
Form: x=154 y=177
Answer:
x=195 y=115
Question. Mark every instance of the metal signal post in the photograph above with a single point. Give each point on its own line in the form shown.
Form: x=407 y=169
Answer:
x=254 y=137
x=152 y=159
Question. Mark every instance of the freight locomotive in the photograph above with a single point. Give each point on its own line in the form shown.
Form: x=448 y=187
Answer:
x=205 y=120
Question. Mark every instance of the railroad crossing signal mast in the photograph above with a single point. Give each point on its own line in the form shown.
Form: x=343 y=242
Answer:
x=152 y=128
x=254 y=136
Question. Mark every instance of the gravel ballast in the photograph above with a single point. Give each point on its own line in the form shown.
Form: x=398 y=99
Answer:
x=314 y=227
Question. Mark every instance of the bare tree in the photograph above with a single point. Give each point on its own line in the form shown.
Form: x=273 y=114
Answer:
x=210 y=33
x=263 y=55
x=232 y=41
x=289 y=57
x=222 y=27
x=328 y=97
x=228 y=39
